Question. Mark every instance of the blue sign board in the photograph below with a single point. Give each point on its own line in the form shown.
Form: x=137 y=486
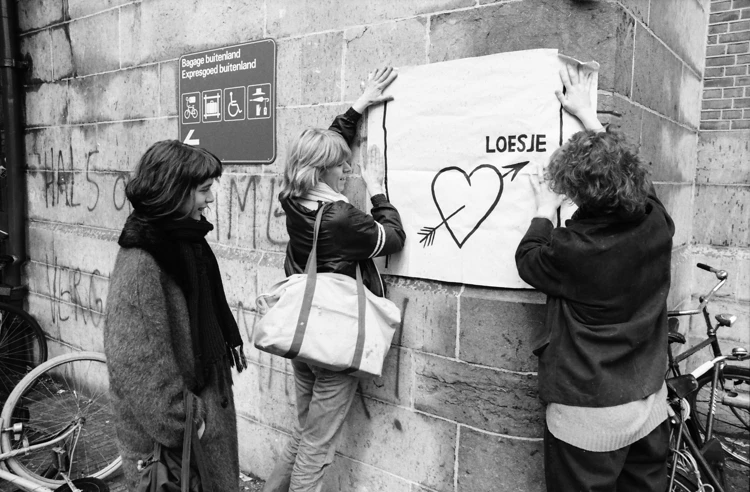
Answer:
x=227 y=101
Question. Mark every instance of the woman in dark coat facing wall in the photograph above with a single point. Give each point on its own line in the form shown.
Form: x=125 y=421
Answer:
x=168 y=327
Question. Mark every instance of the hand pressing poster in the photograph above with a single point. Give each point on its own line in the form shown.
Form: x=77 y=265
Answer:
x=460 y=139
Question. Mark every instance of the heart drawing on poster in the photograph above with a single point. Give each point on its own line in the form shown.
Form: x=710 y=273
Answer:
x=464 y=200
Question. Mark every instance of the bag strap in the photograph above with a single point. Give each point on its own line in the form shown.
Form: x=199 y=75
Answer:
x=311 y=270
x=191 y=447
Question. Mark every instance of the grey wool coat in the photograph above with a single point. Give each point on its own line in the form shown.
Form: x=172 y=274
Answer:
x=150 y=359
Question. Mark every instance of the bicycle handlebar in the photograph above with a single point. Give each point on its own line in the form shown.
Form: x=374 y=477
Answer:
x=720 y=274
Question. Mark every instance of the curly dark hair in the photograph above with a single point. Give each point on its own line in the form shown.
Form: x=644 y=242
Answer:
x=600 y=173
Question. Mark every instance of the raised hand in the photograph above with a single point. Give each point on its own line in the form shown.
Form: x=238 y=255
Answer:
x=377 y=82
x=373 y=172
x=577 y=98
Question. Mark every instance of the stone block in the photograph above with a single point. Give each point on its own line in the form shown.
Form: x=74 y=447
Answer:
x=62 y=53
x=259 y=446
x=488 y=462
x=396 y=385
x=76 y=299
x=542 y=24
x=168 y=89
x=657 y=75
x=741 y=124
x=716 y=50
x=714 y=72
x=429 y=314
x=488 y=399
x=270 y=271
x=120 y=145
x=46 y=104
x=238 y=271
x=90 y=251
x=622 y=115
x=710 y=115
x=159 y=31
x=400 y=43
x=734 y=37
x=496 y=328
x=115 y=96
x=736 y=70
x=738 y=48
x=676 y=198
x=95 y=43
x=731 y=115
x=353 y=476
x=720 y=82
x=73 y=197
x=309 y=69
x=722 y=217
x=266 y=395
x=675 y=22
x=35 y=14
x=80 y=8
x=386 y=437
x=690 y=99
x=639 y=8
x=669 y=148
x=735 y=92
x=270 y=230
x=294 y=18
x=680 y=290
x=35 y=49
x=237 y=211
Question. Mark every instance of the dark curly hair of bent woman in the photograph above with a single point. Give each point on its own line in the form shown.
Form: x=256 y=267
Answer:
x=601 y=173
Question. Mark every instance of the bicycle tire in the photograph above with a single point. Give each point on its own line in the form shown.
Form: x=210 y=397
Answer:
x=69 y=388
x=88 y=484
x=23 y=346
x=731 y=424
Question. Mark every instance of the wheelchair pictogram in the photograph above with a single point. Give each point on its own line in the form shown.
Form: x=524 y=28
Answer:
x=190 y=106
x=234 y=103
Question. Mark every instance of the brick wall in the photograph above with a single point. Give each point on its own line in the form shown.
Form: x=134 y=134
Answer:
x=456 y=408
x=726 y=98
x=721 y=234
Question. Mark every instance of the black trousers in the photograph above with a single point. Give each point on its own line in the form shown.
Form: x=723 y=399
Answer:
x=639 y=467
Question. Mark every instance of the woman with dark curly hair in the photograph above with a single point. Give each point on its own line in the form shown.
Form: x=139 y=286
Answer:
x=606 y=273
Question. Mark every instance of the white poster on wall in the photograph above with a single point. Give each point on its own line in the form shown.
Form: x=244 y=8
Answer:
x=460 y=139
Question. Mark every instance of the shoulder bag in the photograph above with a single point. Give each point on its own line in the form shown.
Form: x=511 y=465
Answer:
x=169 y=470
x=326 y=319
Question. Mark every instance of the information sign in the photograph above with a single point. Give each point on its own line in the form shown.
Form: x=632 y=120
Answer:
x=227 y=101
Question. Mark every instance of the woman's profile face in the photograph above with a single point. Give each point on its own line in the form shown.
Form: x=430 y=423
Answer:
x=199 y=199
x=335 y=176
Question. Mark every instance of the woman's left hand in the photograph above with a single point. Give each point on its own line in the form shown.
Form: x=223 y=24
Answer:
x=377 y=82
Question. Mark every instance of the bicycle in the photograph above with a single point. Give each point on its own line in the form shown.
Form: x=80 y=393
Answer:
x=710 y=408
x=56 y=428
x=22 y=342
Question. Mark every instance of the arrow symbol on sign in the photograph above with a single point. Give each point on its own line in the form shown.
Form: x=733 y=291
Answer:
x=192 y=141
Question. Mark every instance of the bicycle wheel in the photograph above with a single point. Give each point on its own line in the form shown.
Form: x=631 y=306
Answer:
x=731 y=423
x=22 y=346
x=86 y=485
x=66 y=396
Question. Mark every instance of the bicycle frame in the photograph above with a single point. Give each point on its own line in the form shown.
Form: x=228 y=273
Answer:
x=21 y=482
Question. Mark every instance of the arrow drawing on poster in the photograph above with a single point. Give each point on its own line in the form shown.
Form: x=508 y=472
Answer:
x=447 y=188
x=191 y=141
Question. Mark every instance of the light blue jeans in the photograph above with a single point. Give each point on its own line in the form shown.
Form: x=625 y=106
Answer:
x=323 y=401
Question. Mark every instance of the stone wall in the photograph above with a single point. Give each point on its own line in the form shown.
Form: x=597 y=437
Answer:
x=721 y=227
x=457 y=408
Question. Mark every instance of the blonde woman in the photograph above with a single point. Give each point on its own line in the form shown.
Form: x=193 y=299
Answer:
x=315 y=176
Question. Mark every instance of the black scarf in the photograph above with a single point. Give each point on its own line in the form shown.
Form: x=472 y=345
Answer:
x=181 y=249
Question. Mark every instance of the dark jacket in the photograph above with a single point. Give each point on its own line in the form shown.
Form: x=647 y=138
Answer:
x=347 y=235
x=149 y=352
x=607 y=280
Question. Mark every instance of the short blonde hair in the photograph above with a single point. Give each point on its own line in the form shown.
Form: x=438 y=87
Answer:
x=311 y=153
